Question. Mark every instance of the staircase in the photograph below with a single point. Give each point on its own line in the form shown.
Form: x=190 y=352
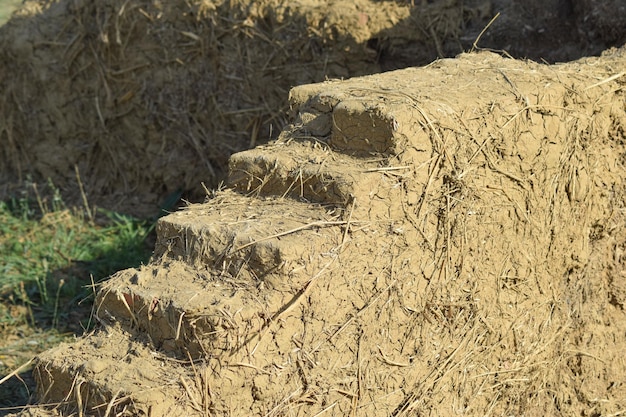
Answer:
x=226 y=273
x=346 y=268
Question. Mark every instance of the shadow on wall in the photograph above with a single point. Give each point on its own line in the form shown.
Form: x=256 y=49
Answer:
x=557 y=30
x=541 y=30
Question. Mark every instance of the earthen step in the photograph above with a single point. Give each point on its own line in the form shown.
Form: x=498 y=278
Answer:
x=348 y=124
x=111 y=373
x=221 y=270
x=115 y=373
x=252 y=239
x=303 y=170
x=376 y=114
x=187 y=312
x=199 y=314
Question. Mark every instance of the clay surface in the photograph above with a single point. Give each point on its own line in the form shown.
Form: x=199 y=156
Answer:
x=396 y=252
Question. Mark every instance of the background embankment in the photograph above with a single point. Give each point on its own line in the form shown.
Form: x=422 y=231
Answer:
x=144 y=101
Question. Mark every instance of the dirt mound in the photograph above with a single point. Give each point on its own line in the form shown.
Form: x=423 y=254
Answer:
x=442 y=240
x=145 y=100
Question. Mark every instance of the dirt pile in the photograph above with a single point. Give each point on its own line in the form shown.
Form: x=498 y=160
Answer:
x=145 y=99
x=441 y=240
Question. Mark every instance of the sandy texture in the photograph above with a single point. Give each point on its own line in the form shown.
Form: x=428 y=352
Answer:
x=430 y=241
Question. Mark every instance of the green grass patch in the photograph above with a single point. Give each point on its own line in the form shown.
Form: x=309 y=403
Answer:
x=6 y=9
x=51 y=259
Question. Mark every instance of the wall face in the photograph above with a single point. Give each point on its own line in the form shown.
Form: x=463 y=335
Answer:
x=429 y=241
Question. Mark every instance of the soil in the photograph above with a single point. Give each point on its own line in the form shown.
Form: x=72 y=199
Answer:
x=440 y=240
x=428 y=241
x=140 y=103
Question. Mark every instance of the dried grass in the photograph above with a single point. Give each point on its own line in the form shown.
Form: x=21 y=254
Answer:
x=147 y=98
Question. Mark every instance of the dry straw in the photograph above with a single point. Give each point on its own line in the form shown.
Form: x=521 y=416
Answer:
x=148 y=98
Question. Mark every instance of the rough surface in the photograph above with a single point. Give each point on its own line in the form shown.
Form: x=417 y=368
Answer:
x=471 y=261
x=142 y=101
x=99 y=376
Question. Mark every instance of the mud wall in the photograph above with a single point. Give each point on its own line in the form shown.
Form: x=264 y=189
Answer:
x=145 y=98
x=144 y=101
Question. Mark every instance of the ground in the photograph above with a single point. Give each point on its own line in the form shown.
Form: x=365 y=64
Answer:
x=438 y=240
